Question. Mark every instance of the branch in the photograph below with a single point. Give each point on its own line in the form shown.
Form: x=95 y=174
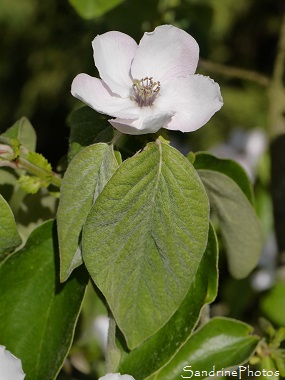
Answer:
x=277 y=91
x=276 y=119
x=234 y=72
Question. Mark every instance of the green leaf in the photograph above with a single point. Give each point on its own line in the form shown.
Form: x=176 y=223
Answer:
x=39 y=160
x=279 y=361
x=272 y=304
x=161 y=347
x=88 y=127
x=94 y=8
x=83 y=181
x=30 y=184
x=9 y=236
x=37 y=313
x=228 y=167
x=271 y=367
x=219 y=344
x=23 y=132
x=240 y=228
x=144 y=239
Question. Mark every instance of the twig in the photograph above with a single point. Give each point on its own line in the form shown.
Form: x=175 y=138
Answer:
x=276 y=120
x=234 y=72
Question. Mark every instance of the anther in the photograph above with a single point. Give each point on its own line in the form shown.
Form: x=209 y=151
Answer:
x=145 y=91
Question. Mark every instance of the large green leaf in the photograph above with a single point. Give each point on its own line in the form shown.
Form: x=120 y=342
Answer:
x=23 y=132
x=9 y=236
x=144 y=238
x=221 y=343
x=231 y=168
x=240 y=227
x=87 y=127
x=37 y=313
x=94 y=8
x=83 y=181
x=161 y=347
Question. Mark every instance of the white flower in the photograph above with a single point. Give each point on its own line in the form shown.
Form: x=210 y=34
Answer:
x=10 y=366
x=151 y=85
x=116 y=376
x=101 y=328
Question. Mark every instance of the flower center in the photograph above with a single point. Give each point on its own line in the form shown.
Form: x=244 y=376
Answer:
x=145 y=91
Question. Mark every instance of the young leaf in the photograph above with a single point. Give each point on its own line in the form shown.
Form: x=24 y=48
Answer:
x=228 y=167
x=240 y=227
x=30 y=184
x=37 y=313
x=221 y=343
x=87 y=127
x=23 y=132
x=83 y=181
x=40 y=161
x=161 y=347
x=9 y=236
x=144 y=238
x=272 y=304
x=94 y=8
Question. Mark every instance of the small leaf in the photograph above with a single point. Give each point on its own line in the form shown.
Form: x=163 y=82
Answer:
x=30 y=184
x=271 y=367
x=37 y=314
x=161 y=347
x=10 y=237
x=83 y=181
x=219 y=344
x=87 y=127
x=144 y=238
x=94 y=8
x=280 y=364
x=23 y=132
x=39 y=160
x=228 y=167
x=272 y=304
x=240 y=227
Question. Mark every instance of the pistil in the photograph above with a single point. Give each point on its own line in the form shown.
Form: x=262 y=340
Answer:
x=145 y=91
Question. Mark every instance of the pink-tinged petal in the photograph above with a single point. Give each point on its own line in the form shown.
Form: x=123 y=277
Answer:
x=165 y=53
x=113 y=54
x=193 y=100
x=97 y=95
x=141 y=126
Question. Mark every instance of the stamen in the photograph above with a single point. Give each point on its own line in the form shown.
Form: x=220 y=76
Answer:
x=145 y=91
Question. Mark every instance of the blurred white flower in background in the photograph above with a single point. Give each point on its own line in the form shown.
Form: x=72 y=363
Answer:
x=10 y=366
x=100 y=328
x=265 y=275
x=248 y=148
x=116 y=376
x=245 y=147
